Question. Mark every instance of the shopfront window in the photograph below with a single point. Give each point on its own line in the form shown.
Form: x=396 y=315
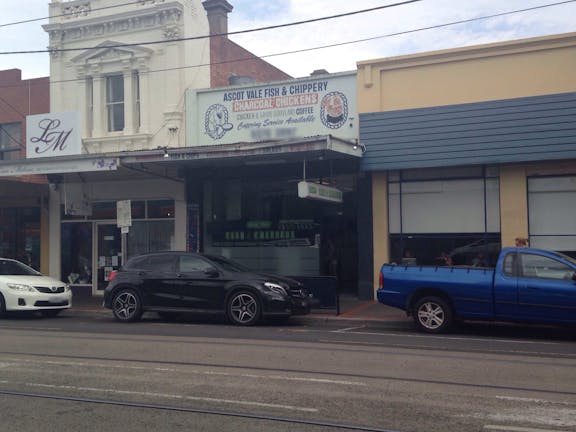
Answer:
x=264 y=225
x=83 y=236
x=150 y=236
x=77 y=253
x=551 y=210
x=20 y=235
x=444 y=221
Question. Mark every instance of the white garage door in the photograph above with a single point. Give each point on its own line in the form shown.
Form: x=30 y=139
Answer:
x=552 y=213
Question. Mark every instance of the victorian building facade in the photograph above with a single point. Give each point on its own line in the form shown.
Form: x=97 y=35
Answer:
x=123 y=70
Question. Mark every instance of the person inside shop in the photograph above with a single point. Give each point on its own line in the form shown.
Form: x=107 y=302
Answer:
x=479 y=260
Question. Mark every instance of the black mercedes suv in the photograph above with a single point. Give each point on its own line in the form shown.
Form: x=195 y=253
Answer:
x=170 y=283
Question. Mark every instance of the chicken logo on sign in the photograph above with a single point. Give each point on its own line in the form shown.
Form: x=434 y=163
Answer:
x=334 y=110
x=216 y=121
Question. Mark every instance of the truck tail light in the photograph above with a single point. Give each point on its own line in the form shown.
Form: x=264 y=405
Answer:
x=380 y=280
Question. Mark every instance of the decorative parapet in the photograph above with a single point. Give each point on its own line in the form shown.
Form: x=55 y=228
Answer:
x=77 y=10
x=172 y=33
x=167 y=17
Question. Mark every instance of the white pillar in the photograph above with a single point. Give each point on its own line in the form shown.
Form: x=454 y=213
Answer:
x=98 y=121
x=83 y=103
x=129 y=102
x=144 y=98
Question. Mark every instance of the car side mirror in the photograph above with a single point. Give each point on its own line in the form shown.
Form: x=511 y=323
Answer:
x=211 y=272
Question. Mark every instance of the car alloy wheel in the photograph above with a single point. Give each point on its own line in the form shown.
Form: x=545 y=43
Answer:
x=433 y=315
x=244 y=308
x=126 y=306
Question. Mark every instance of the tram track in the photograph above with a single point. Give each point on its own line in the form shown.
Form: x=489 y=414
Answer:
x=200 y=411
x=300 y=371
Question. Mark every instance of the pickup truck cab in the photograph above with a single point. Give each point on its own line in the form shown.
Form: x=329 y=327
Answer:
x=527 y=285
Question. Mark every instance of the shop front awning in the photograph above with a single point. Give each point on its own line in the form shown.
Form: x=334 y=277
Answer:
x=169 y=162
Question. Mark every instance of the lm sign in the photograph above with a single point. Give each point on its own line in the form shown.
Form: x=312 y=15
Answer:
x=53 y=134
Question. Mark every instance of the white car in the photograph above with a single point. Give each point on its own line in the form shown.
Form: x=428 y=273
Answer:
x=24 y=289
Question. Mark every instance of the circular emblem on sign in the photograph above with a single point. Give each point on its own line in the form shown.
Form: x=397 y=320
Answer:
x=216 y=121
x=334 y=110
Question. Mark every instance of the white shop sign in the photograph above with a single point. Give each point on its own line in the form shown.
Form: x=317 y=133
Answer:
x=313 y=106
x=53 y=134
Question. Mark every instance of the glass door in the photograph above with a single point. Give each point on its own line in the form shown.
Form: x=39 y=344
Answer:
x=108 y=255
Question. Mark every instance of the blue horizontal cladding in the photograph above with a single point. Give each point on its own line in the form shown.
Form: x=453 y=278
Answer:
x=513 y=130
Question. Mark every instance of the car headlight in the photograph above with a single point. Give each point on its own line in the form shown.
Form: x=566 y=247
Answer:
x=67 y=288
x=20 y=287
x=274 y=287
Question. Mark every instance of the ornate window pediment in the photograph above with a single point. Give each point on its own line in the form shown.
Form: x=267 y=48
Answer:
x=112 y=52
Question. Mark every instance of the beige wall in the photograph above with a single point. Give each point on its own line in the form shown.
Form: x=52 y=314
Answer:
x=380 y=222
x=528 y=67
x=521 y=68
x=513 y=204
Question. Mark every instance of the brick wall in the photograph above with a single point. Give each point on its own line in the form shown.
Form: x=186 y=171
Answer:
x=19 y=98
x=223 y=52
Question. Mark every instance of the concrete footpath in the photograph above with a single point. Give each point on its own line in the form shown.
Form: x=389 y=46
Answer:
x=351 y=308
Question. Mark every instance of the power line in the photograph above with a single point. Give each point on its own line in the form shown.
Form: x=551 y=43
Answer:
x=437 y=26
x=272 y=27
x=66 y=14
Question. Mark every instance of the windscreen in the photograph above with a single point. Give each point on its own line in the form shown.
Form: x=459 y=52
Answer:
x=15 y=268
x=566 y=257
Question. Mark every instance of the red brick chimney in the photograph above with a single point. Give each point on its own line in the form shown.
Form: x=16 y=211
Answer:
x=217 y=12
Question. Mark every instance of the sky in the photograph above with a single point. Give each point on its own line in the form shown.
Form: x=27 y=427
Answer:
x=258 y=13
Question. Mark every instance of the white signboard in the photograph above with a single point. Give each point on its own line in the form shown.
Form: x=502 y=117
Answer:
x=321 y=105
x=53 y=134
x=319 y=192
x=123 y=213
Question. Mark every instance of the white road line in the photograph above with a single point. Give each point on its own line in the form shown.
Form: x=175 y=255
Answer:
x=533 y=400
x=98 y=365
x=287 y=378
x=173 y=396
x=347 y=329
x=196 y=372
x=427 y=336
x=517 y=429
x=30 y=328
